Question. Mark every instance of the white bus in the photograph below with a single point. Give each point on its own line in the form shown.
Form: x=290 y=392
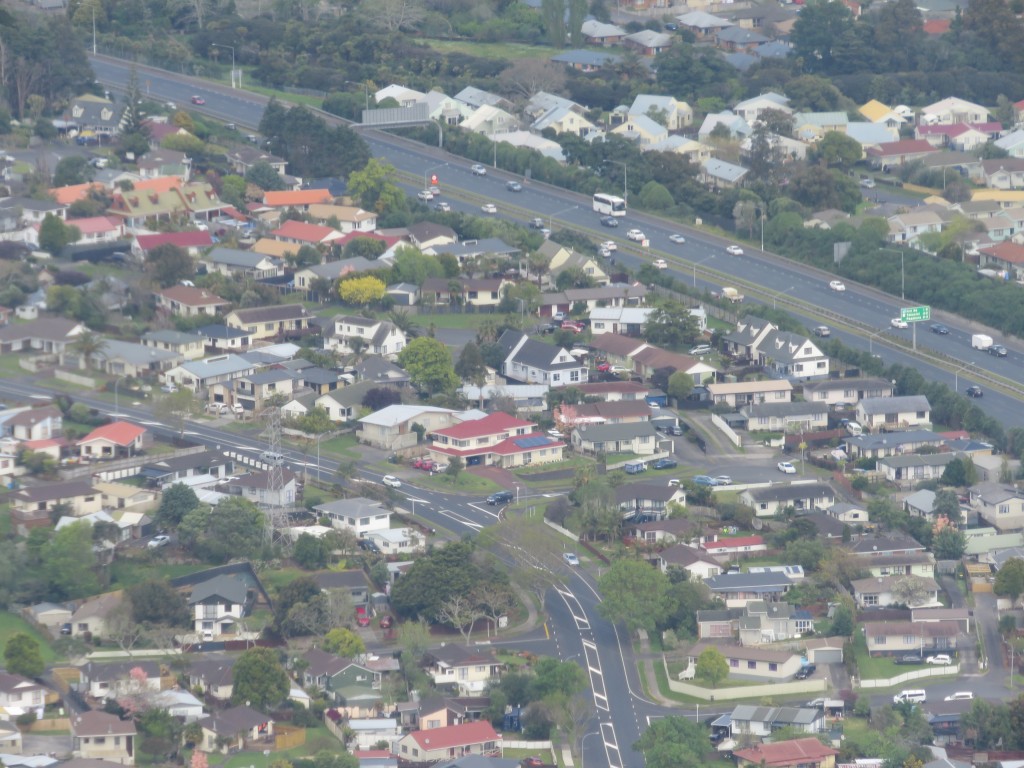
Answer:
x=609 y=205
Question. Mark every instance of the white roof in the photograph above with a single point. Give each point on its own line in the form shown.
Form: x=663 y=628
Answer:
x=394 y=415
x=630 y=315
x=392 y=535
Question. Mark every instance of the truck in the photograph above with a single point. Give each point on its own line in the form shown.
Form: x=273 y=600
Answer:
x=981 y=341
x=730 y=294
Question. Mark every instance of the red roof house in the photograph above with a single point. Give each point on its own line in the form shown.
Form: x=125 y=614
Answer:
x=450 y=742
x=191 y=241
x=114 y=440
x=806 y=753
x=1005 y=256
x=306 y=234
x=497 y=439
x=186 y=301
x=98 y=229
x=296 y=198
x=899 y=152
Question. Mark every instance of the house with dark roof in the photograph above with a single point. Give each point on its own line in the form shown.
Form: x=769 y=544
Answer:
x=894 y=413
x=495 y=440
x=891 y=443
x=253 y=390
x=650 y=500
x=852 y=390
x=166 y=471
x=884 y=591
x=534 y=362
x=21 y=693
x=95 y=114
x=738 y=589
x=352 y=583
x=893 y=554
x=270 y=322
x=753 y=720
x=664 y=531
x=699 y=564
x=586 y=61
x=465 y=669
x=243 y=264
x=756 y=623
x=33 y=506
x=356 y=688
x=236 y=729
x=348 y=334
x=428 y=234
x=895 y=638
x=221 y=338
x=786 y=417
x=907 y=469
x=50 y=335
x=218 y=604
x=468 y=292
x=213 y=676
x=101 y=736
x=111 y=680
x=380 y=371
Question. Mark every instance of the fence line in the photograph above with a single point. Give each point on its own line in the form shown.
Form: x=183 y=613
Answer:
x=726 y=430
x=906 y=677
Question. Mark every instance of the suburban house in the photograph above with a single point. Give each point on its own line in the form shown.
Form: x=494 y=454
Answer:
x=42 y=423
x=213 y=677
x=186 y=301
x=640 y=438
x=359 y=515
x=270 y=322
x=90 y=618
x=243 y=265
x=100 y=736
x=648 y=499
x=450 y=742
x=677 y=114
x=953 y=110
x=728 y=548
x=217 y=605
x=238 y=728
x=20 y=693
x=786 y=417
x=468 y=670
x=913 y=468
x=534 y=362
x=891 y=443
x=253 y=390
x=741 y=393
x=797 y=753
x=1000 y=505
x=391 y=428
x=49 y=335
x=115 y=440
x=351 y=333
x=343 y=680
x=771 y=501
x=896 y=638
x=616 y=412
x=756 y=623
x=187 y=346
x=199 y=375
x=33 y=507
x=892 y=413
x=790 y=355
x=738 y=589
x=752 y=663
x=109 y=681
x=852 y=390
x=699 y=565
x=878 y=591
x=752 y=720
x=893 y=555
x=624 y=321
x=351 y=583
x=497 y=439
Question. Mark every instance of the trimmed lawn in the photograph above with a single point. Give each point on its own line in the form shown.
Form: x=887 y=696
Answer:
x=505 y=51
x=536 y=469
x=9 y=367
x=466 y=320
x=125 y=573
x=317 y=740
x=11 y=625
x=342 y=445
x=465 y=483
x=282 y=577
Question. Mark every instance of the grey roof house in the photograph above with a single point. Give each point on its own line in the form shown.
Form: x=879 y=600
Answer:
x=770 y=501
x=534 y=362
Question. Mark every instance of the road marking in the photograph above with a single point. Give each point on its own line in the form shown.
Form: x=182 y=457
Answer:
x=460 y=519
x=611 y=745
x=577 y=612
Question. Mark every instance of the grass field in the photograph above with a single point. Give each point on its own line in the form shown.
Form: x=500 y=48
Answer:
x=465 y=320
x=346 y=446
x=125 y=573
x=505 y=51
x=317 y=740
x=10 y=625
x=281 y=577
x=465 y=483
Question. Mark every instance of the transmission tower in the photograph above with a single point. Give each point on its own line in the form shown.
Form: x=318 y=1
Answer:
x=276 y=514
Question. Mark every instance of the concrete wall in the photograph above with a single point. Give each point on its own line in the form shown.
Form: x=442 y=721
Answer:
x=919 y=674
x=726 y=430
x=744 y=691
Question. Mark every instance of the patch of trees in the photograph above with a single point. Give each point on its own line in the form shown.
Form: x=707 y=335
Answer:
x=310 y=146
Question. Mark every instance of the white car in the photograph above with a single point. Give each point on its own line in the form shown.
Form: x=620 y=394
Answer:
x=960 y=696
x=735 y=250
x=660 y=264
x=478 y=170
x=722 y=480
x=702 y=349
x=391 y=481
x=786 y=467
x=677 y=239
x=604 y=253
x=636 y=235
x=489 y=208
x=837 y=285
x=425 y=195
x=158 y=541
x=570 y=559
x=609 y=245
x=898 y=322
x=939 y=658
x=618 y=369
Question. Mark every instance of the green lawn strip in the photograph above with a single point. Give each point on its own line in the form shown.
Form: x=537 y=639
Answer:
x=9 y=367
x=503 y=51
x=465 y=483
x=126 y=572
x=317 y=740
x=465 y=320
x=574 y=463
x=342 y=445
x=281 y=577
x=11 y=625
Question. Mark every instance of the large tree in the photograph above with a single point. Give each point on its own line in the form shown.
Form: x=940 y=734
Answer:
x=259 y=680
x=429 y=364
x=670 y=742
x=176 y=501
x=235 y=530
x=168 y=264
x=157 y=602
x=23 y=657
x=634 y=593
x=712 y=667
x=70 y=562
x=1010 y=579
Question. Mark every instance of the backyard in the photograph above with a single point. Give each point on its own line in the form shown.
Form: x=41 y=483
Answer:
x=10 y=625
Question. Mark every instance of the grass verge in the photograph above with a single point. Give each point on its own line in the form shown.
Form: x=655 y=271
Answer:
x=11 y=625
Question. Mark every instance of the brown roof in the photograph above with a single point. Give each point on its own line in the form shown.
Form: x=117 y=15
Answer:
x=748 y=653
x=95 y=723
x=33 y=416
x=270 y=314
x=911 y=629
x=1006 y=251
x=50 y=491
x=653 y=357
x=49 y=328
x=616 y=344
x=191 y=297
x=796 y=751
x=234 y=721
x=617 y=409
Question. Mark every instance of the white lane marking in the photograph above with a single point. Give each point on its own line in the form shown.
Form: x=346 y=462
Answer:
x=611 y=745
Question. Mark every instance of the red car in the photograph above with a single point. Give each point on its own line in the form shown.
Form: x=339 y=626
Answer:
x=386 y=622
x=604 y=367
x=570 y=325
x=363 y=620
x=198 y=100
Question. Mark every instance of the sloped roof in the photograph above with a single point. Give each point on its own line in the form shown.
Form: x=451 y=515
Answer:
x=120 y=433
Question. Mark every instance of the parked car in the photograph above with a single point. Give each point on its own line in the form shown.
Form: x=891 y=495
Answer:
x=603 y=367
x=536 y=223
x=514 y=186
x=619 y=370
x=363 y=620
x=974 y=391
x=162 y=540
x=939 y=328
x=898 y=322
x=570 y=558
x=867 y=183
x=609 y=221
x=391 y=481
x=960 y=696
x=636 y=235
x=704 y=480
x=722 y=480
x=837 y=285
x=735 y=250
x=805 y=671
x=822 y=331
x=478 y=170
x=702 y=349
x=386 y=621
x=786 y=467
x=909 y=659
x=489 y=208
x=665 y=464
x=939 y=658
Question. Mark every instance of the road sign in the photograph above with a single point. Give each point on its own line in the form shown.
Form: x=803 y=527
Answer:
x=915 y=314
x=433 y=179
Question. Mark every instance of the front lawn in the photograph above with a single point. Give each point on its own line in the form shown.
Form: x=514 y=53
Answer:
x=466 y=482
x=124 y=572
x=317 y=740
x=346 y=446
x=573 y=463
x=502 y=51
x=11 y=625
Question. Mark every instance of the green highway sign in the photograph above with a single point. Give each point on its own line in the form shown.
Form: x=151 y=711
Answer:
x=915 y=314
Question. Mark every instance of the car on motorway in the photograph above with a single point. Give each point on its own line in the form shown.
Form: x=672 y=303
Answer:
x=707 y=480
x=722 y=480
x=156 y=542
x=735 y=250
x=660 y=264
x=837 y=285
x=939 y=328
x=478 y=170
x=823 y=331
x=391 y=481
x=702 y=349
x=570 y=558
x=898 y=322
x=536 y=223
x=604 y=253
x=501 y=497
x=425 y=195
x=665 y=464
x=514 y=186
x=609 y=221
x=940 y=658
x=610 y=245
x=443 y=207
x=974 y=391
x=198 y=100
x=489 y=208
x=998 y=350
x=786 y=467
x=677 y=239
x=910 y=658
x=435 y=190
x=636 y=235
x=805 y=671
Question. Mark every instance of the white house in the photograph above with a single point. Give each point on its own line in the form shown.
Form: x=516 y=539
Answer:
x=360 y=515
x=377 y=337
x=218 y=604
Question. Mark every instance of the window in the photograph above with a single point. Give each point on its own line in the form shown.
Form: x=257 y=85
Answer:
x=908 y=639
x=1004 y=509
x=869 y=599
x=734 y=663
x=751 y=665
x=773 y=667
x=880 y=640
x=268 y=326
x=574 y=375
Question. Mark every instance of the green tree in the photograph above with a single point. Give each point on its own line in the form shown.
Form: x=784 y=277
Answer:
x=471 y=366
x=436 y=577
x=88 y=346
x=656 y=197
x=232 y=190
x=819 y=30
x=947 y=504
x=176 y=501
x=429 y=365
x=1010 y=579
x=263 y=175
x=712 y=667
x=309 y=552
x=344 y=643
x=376 y=187
x=73 y=169
x=670 y=742
x=168 y=265
x=949 y=544
x=22 y=656
x=959 y=473
x=634 y=593
x=842 y=621
x=236 y=530
x=157 y=602
x=838 y=150
x=680 y=385
x=259 y=680
x=671 y=325
x=453 y=469
x=55 y=235
x=69 y=562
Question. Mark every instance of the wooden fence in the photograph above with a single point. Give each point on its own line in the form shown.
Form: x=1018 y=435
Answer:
x=288 y=736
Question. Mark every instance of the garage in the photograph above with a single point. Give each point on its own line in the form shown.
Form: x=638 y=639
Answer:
x=824 y=651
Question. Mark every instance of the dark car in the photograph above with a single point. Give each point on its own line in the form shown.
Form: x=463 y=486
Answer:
x=501 y=497
x=974 y=391
x=674 y=430
x=548 y=328
x=609 y=221
x=940 y=329
x=665 y=464
x=910 y=659
x=998 y=350
x=805 y=672
x=369 y=546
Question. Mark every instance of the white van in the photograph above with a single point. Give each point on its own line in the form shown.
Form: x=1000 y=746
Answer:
x=960 y=696
x=917 y=696
x=854 y=428
x=269 y=457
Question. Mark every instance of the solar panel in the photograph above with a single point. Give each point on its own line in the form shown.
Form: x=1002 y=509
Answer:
x=532 y=442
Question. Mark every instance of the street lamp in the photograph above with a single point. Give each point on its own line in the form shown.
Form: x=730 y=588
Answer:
x=232 y=48
x=775 y=297
x=956 y=376
x=871 y=339
x=442 y=165
x=551 y=216
x=366 y=89
x=117 y=410
x=625 y=179
x=583 y=745
x=697 y=264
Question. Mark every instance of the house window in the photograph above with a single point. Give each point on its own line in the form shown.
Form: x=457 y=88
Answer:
x=1004 y=509
x=574 y=375
x=734 y=663
x=751 y=665
x=880 y=640
x=908 y=639
x=773 y=667
x=869 y=599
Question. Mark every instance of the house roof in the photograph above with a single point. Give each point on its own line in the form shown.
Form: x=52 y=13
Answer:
x=489 y=425
x=616 y=344
x=288 y=197
x=738 y=541
x=647 y=491
x=905 y=147
x=48 y=328
x=231 y=722
x=394 y=415
x=227 y=586
x=213 y=671
x=782 y=753
x=96 y=723
x=120 y=433
x=766 y=582
x=878 y=584
x=911 y=628
x=873 y=406
x=453 y=736
x=600 y=433
x=271 y=314
x=305 y=232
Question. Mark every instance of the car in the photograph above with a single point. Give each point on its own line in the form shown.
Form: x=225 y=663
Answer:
x=198 y=100
x=677 y=239
x=974 y=391
x=837 y=285
x=939 y=658
x=489 y=208
x=998 y=350
x=514 y=186
x=385 y=622
x=478 y=170
x=674 y=429
x=604 y=367
x=369 y=546
x=722 y=480
x=735 y=250
x=435 y=190
x=636 y=235
x=604 y=253
x=572 y=325
x=554 y=433
x=65 y=628
x=660 y=264
x=939 y=328
x=611 y=245
x=704 y=480
x=536 y=223
x=665 y=464
x=805 y=671
x=536 y=762
x=618 y=369
x=671 y=26
x=170 y=389
x=898 y=322
x=391 y=481
x=609 y=221
x=822 y=331
x=702 y=349
x=909 y=659
x=171 y=105
x=868 y=183
x=560 y=316
x=443 y=207
x=501 y=497
x=363 y=620
x=425 y=194
x=960 y=696
x=786 y=467
x=570 y=558
x=156 y=542
x=673 y=483
x=547 y=328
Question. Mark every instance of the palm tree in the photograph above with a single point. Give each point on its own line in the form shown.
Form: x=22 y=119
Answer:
x=404 y=322
x=88 y=345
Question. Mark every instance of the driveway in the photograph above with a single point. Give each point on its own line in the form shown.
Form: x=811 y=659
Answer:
x=987 y=617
